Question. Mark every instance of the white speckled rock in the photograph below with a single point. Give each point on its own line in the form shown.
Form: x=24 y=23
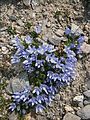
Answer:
x=78 y=98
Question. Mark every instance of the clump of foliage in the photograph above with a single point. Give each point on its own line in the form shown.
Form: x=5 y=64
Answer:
x=11 y=31
x=48 y=69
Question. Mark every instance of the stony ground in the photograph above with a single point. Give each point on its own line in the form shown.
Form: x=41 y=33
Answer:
x=16 y=18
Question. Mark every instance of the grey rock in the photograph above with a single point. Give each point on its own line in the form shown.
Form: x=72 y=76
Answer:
x=86 y=102
x=70 y=116
x=56 y=40
x=27 y=2
x=68 y=108
x=18 y=84
x=86 y=38
x=85 y=48
x=88 y=84
x=59 y=32
x=76 y=29
x=48 y=24
x=12 y=18
x=84 y=113
x=20 y=23
x=13 y=116
x=87 y=93
x=80 y=104
x=3 y=29
x=57 y=97
x=33 y=3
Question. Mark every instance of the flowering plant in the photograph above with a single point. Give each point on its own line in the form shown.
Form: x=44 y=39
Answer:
x=48 y=69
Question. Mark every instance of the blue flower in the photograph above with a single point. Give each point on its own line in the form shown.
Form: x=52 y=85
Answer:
x=68 y=31
x=12 y=107
x=55 y=76
x=69 y=52
x=39 y=63
x=36 y=90
x=28 y=39
x=17 y=43
x=45 y=99
x=15 y=59
x=72 y=45
x=23 y=54
x=31 y=50
x=50 y=74
x=40 y=99
x=44 y=88
x=52 y=90
x=66 y=78
x=80 y=39
x=38 y=29
x=51 y=58
x=39 y=108
x=32 y=101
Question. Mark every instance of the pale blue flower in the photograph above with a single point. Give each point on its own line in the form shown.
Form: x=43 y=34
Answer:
x=15 y=59
x=36 y=90
x=38 y=29
x=32 y=101
x=80 y=39
x=31 y=50
x=28 y=39
x=68 y=31
x=39 y=108
x=17 y=43
x=44 y=88
x=12 y=107
x=39 y=63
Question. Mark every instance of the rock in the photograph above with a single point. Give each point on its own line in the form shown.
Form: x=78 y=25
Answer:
x=48 y=24
x=18 y=84
x=59 y=32
x=86 y=102
x=86 y=38
x=56 y=40
x=80 y=104
x=13 y=116
x=87 y=94
x=27 y=2
x=19 y=29
x=3 y=29
x=57 y=97
x=85 y=48
x=78 y=98
x=88 y=84
x=76 y=29
x=68 y=108
x=20 y=23
x=84 y=113
x=28 y=117
x=4 y=48
x=70 y=116
x=12 y=18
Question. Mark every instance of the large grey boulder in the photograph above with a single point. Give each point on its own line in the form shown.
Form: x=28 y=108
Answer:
x=70 y=116
x=84 y=113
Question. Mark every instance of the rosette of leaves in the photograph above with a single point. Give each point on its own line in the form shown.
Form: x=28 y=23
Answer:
x=46 y=67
